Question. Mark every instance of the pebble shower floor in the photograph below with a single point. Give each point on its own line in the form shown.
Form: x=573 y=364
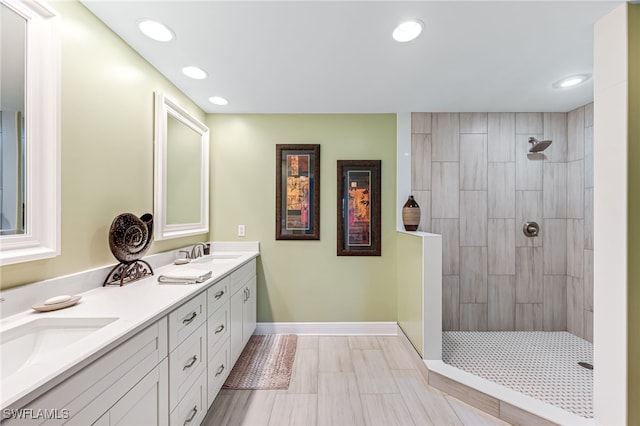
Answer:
x=540 y=364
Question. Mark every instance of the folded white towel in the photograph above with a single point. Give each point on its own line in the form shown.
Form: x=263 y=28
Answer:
x=186 y=276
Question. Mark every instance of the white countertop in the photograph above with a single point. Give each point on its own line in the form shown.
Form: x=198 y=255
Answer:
x=135 y=305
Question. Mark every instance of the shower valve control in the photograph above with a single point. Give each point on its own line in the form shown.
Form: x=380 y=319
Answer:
x=531 y=229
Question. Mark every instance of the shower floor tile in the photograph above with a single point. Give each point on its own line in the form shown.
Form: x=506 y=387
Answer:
x=540 y=364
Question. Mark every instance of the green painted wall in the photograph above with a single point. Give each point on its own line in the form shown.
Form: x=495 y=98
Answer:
x=633 y=225
x=305 y=280
x=410 y=295
x=107 y=144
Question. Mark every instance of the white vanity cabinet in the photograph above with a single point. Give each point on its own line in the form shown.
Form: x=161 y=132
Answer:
x=218 y=366
x=242 y=308
x=127 y=385
x=187 y=362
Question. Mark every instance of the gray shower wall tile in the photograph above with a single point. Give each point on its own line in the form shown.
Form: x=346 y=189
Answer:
x=529 y=316
x=555 y=128
x=473 y=218
x=528 y=166
x=501 y=303
x=529 y=274
x=588 y=218
x=588 y=115
x=501 y=136
x=588 y=157
x=445 y=136
x=529 y=123
x=575 y=303
x=420 y=162
x=575 y=247
x=473 y=317
x=575 y=190
x=423 y=198
x=445 y=190
x=473 y=122
x=555 y=190
x=587 y=279
x=528 y=209
x=554 y=309
x=420 y=122
x=473 y=161
x=473 y=275
x=575 y=134
x=450 y=303
x=501 y=241
x=450 y=231
x=554 y=242
x=502 y=190
x=588 y=326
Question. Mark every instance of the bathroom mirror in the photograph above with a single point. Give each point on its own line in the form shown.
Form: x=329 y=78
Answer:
x=29 y=131
x=181 y=190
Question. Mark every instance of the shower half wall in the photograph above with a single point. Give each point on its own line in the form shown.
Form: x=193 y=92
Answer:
x=476 y=185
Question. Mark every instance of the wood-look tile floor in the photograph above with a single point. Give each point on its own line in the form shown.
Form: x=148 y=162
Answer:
x=349 y=380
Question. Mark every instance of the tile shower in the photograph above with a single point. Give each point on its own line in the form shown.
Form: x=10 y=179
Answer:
x=477 y=184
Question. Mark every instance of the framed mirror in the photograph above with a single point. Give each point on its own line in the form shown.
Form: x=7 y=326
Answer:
x=181 y=169
x=29 y=131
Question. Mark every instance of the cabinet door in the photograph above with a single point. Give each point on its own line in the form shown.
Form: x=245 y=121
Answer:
x=145 y=403
x=235 y=324
x=249 y=311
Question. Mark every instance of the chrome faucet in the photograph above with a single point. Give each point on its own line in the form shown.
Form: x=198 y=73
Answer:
x=198 y=250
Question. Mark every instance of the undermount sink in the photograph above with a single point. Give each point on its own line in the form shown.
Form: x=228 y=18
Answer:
x=218 y=258
x=38 y=340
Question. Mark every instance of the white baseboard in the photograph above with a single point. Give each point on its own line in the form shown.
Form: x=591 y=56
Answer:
x=328 y=328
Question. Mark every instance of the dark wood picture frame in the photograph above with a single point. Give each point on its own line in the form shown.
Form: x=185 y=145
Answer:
x=298 y=192
x=359 y=207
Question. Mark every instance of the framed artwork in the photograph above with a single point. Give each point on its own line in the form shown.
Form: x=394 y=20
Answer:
x=297 y=192
x=359 y=208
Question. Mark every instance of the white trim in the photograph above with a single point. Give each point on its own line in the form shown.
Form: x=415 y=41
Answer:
x=328 y=328
x=42 y=132
x=610 y=210
x=164 y=107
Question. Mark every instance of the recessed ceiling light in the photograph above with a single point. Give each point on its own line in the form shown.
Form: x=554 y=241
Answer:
x=218 y=100
x=155 y=30
x=571 y=81
x=194 y=72
x=408 y=30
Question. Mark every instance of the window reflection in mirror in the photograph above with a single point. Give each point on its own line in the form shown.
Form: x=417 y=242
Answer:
x=13 y=28
x=184 y=177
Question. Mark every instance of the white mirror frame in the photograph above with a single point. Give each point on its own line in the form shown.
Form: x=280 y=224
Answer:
x=162 y=230
x=42 y=130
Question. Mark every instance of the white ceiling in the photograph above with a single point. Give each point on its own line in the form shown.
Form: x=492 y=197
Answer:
x=338 y=56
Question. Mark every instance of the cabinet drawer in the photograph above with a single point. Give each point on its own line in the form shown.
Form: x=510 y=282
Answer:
x=217 y=329
x=218 y=370
x=186 y=319
x=193 y=406
x=217 y=295
x=240 y=276
x=186 y=363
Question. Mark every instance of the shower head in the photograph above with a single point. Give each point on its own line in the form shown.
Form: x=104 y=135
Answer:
x=538 y=146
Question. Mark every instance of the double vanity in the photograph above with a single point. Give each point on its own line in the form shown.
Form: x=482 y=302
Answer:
x=145 y=353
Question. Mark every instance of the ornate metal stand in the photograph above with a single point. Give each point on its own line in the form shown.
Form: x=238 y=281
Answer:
x=126 y=272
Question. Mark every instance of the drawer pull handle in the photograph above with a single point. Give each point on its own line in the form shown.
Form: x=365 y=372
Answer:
x=219 y=294
x=220 y=328
x=194 y=411
x=220 y=370
x=191 y=318
x=190 y=364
